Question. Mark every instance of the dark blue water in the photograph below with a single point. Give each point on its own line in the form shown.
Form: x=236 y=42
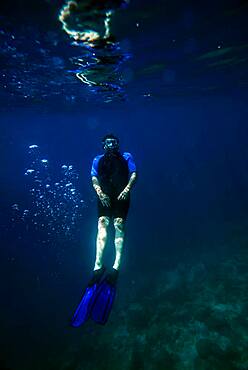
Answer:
x=182 y=298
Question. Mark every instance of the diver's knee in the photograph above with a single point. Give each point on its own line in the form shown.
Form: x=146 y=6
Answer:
x=119 y=224
x=103 y=222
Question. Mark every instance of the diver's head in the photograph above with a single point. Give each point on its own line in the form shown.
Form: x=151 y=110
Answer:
x=110 y=143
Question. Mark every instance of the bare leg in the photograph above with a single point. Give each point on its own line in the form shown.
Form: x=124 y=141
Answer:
x=119 y=239
x=101 y=240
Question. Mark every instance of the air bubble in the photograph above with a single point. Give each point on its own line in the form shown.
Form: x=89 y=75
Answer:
x=56 y=203
x=33 y=146
x=29 y=171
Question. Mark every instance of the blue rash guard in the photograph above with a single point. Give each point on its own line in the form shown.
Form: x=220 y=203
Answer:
x=113 y=171
x=127 y=156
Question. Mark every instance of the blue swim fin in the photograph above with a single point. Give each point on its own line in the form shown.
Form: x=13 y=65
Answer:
x=83 y=310
x=103 y=302
x=104 y=299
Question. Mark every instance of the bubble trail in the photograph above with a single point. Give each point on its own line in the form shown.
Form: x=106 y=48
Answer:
x=56 y=203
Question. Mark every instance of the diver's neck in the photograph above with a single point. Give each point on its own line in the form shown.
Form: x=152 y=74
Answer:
x=114 y=152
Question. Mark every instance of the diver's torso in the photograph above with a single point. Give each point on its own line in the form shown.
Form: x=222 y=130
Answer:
x=113 y=173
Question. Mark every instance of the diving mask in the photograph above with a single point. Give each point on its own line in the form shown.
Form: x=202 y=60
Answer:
x=111 y=144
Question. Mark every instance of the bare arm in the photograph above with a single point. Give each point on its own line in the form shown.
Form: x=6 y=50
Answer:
x=96 y=185
x=131 y=181
x=104 y=198
x=123 y=195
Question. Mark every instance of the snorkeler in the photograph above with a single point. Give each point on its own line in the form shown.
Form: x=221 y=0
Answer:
x=113 y=175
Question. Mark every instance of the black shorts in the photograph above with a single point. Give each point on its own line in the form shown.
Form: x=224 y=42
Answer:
x=118 y=208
